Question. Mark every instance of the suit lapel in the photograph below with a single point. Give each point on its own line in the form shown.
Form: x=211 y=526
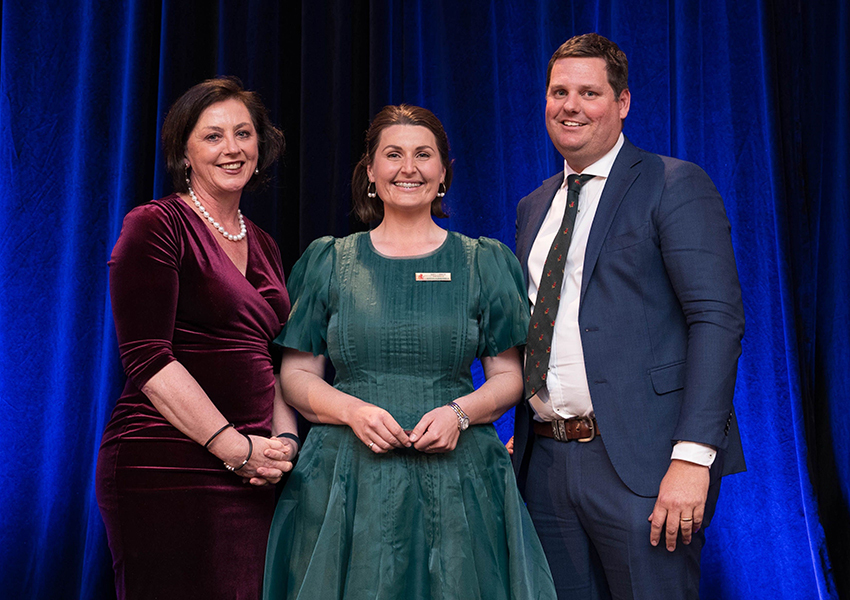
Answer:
x=624 y=171
x=538 y=207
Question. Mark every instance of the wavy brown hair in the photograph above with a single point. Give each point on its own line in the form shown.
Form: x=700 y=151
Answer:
x=185 y=112
x=372 y=209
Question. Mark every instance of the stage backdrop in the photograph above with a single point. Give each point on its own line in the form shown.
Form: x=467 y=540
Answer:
x=756 y=92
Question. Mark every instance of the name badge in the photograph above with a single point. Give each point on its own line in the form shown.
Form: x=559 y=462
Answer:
x=433 y=277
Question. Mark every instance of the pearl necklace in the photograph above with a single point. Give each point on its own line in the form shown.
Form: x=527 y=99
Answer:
x=216 y=224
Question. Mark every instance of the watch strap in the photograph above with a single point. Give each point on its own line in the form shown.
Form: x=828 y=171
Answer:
x=461 y=416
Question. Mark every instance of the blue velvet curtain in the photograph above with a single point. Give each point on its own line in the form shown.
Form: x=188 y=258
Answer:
x=756 y=92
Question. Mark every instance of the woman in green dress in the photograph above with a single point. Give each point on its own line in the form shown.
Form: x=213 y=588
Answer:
x=403 y=489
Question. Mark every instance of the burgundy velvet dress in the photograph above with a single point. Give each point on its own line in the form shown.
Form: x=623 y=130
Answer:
x=179 y=525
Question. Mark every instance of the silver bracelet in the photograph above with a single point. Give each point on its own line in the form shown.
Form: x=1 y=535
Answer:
x=233 y=469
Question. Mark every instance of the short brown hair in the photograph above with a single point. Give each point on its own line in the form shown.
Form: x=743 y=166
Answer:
x=185 y=112
x=593 y=45
x=372 y=209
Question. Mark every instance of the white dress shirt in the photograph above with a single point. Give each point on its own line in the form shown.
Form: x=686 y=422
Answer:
x=566 y=393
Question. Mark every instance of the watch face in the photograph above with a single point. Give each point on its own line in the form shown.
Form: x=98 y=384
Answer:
x=464 y=423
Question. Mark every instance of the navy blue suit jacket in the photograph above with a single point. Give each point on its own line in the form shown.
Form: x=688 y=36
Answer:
x=660 y=315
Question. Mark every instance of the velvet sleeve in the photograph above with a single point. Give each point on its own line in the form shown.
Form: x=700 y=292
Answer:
x=144 y=286
x=503 y=312
x=309 y=288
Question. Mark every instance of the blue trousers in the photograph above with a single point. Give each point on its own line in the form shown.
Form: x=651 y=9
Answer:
x=595 y=531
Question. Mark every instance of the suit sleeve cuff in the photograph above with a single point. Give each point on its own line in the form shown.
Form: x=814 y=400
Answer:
x=693 y=452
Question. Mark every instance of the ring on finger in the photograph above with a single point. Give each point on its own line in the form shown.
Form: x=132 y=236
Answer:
x=371 y=444
x=686 y=519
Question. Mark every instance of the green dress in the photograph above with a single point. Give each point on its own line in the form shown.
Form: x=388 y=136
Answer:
x=402 y=335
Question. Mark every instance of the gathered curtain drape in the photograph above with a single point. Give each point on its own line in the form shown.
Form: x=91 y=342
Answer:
x=754 y=91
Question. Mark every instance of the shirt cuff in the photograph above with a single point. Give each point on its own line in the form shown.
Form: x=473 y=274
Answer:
x=694 y=452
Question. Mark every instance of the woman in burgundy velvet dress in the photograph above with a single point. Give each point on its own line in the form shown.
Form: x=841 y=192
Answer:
x=187 y=460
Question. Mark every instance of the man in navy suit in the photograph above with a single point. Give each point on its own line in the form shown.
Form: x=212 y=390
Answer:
x=620 y=453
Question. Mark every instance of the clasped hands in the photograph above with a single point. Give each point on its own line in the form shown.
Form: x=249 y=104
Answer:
x=437 y=430
x=270 y=458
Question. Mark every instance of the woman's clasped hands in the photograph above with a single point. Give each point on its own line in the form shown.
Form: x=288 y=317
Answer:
x=436 y=432
x=275 y=459
x=268 y=458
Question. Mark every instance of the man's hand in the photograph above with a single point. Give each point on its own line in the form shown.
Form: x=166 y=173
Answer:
x=680 y=503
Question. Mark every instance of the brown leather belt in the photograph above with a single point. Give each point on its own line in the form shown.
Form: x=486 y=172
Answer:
x=580 y=429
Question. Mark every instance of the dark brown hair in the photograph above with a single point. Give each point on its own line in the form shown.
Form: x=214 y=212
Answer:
x=593 y=45
x=185 y=112
x=372 y=209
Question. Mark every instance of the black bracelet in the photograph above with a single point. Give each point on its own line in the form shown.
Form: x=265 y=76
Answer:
x=247 y=458
x=215 y=435
x=294 y=438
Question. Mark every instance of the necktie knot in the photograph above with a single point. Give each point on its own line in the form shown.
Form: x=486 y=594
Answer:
x=574 y=182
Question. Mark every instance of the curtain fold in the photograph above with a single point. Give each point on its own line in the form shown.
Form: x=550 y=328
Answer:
x=756 y=92
x=822 y=95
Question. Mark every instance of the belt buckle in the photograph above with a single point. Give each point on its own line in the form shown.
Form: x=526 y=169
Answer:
x=559 y=430
x=589 y=422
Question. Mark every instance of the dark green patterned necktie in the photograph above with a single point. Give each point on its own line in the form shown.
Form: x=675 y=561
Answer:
x=542 y=325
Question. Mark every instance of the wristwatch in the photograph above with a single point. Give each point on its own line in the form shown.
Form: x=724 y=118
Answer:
x=462 y=419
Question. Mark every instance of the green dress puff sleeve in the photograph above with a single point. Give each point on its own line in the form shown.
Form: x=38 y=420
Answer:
x=309 y=288
x=503 y=310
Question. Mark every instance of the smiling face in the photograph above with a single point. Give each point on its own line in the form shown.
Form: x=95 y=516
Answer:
x=222 y=150
x=583 y=116
x=407 y=169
